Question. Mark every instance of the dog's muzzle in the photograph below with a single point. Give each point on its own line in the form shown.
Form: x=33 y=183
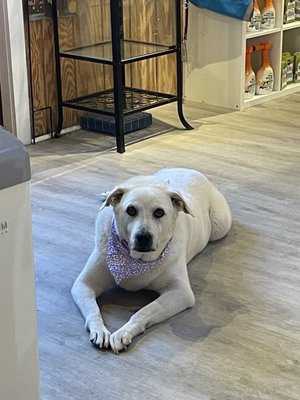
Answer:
x=143 y=242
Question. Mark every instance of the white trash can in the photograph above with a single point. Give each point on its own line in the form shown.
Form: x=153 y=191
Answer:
x=19 y=374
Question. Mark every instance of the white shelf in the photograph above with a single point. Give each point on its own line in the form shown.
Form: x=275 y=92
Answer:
x=215 y=71
x=291 y=88
x=262 y=32
x=259 y=99
x=291 y=25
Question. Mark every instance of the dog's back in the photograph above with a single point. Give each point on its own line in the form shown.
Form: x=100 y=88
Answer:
x=208 y=205
x=182 y=179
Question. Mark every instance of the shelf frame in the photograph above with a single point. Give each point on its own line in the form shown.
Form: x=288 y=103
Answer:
x=217 y=76
x=119 y=92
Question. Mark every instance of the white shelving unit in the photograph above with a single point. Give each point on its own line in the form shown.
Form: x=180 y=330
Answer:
x=215 y=71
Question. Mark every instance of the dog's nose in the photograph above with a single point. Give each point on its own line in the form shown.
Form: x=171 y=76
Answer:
x=143 y=242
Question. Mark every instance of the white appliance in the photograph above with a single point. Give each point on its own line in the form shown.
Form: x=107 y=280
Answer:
x=19 y=373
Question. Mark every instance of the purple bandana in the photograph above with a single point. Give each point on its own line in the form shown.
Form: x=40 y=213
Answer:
x=120 y=262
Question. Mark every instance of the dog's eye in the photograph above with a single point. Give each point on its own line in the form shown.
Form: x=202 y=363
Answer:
x=131 y=211
x=158 y=213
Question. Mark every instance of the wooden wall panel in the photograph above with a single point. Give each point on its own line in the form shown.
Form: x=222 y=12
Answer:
x=88 y=31
x=166 y=74
x=166 y=65
x=68 y=69
x=38 y=77
x=106 y=35
x=49 y=71
x=143 y=74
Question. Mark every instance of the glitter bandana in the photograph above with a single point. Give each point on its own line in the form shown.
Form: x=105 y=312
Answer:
x=120 y=262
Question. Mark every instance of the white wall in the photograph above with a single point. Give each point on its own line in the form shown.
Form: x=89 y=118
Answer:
x=13 y=70
x=215 y=50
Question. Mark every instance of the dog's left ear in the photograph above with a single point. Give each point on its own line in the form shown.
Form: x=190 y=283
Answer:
x=179 y=203
x=113 y=198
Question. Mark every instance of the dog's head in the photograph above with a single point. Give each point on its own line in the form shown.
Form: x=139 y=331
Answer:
x=145 y=212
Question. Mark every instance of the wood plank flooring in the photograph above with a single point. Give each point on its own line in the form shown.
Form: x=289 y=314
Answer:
x=242 y=338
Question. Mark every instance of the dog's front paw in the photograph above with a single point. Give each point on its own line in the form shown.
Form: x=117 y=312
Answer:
x=103 y=196
x=120 y=340
x=99 y=334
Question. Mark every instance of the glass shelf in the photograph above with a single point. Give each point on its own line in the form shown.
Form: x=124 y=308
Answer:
x=133 y=100
x=131 y=51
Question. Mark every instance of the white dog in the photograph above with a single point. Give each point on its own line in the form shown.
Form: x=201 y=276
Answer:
x=154 y=227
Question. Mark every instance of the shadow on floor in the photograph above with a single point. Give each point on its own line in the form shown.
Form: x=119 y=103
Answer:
x=83 y=141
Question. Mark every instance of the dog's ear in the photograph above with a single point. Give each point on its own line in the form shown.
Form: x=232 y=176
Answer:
x=113 y=198
x=179 y=203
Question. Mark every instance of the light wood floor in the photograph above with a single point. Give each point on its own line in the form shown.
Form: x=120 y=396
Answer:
x=242 y=338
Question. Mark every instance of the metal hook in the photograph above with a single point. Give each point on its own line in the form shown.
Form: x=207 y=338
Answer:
x=186 y=4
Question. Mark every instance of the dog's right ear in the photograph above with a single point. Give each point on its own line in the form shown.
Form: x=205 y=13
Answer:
x=113 y=198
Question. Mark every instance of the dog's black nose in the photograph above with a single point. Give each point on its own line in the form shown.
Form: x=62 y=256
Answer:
x=143 y=242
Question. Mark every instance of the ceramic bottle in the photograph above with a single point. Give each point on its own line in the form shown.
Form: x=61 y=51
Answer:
x=265 y=74
x=254 y=24
x=268 y=15
x=250 y=80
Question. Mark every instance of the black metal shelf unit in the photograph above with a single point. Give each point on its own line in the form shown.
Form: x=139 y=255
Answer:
x=121 y=100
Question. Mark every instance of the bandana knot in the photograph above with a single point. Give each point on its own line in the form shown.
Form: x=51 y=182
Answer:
x=122 y=265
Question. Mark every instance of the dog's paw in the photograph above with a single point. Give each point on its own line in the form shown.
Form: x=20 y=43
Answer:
x=99 y=334
x=103 y=196
x=120 y=340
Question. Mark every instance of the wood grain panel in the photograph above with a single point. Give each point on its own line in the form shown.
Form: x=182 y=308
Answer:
x=88 y=31
x=49 y=70
x=166 y=74
x=68 y=70
x=143 y=74
x=106 y=35
x=166 y=66
x=38 y=77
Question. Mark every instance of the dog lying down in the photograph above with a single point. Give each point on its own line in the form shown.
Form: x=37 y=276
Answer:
x=147 y=231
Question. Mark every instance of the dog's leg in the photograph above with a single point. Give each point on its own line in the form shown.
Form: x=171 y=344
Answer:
x=176 y=297
x=90 y=284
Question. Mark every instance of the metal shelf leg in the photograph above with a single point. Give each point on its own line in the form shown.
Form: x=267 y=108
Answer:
x=179 y=68
x=182 y=117
x=58 y=71
x=116 y=12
